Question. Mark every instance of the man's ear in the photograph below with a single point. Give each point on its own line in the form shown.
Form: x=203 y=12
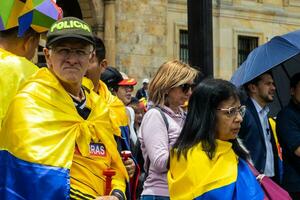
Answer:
x=47 y=56
x=252 y=88
x=30 y=44
x=103 y=65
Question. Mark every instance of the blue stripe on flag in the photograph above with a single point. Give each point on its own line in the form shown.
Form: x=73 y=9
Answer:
x=245 y=188
x=24 y=180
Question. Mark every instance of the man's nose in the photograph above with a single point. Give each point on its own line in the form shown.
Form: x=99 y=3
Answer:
x=273 y=87
x=72 y=57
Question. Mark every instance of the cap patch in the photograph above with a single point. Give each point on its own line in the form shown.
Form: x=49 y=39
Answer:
x=70 y=25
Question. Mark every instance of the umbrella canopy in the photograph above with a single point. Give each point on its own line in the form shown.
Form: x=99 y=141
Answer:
x=267 y=56
x=281 y=55
x=37 y=14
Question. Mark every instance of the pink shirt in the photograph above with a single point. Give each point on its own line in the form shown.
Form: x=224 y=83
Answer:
x=156 y=142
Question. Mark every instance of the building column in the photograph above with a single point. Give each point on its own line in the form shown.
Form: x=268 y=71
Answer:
x=110 y=31
x=200 y=35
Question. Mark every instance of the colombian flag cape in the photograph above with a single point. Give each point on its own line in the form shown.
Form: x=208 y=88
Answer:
x=38 y=138
x=14 y=71
x=225 y=177
x=116 y=107
x=119 y=117
x=272 y=123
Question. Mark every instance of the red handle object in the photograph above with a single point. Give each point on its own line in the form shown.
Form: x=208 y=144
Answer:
x=125 y=154
x=108 y=173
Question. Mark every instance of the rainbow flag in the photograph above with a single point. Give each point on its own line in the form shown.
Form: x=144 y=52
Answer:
x=225 y=177
x=38 y=137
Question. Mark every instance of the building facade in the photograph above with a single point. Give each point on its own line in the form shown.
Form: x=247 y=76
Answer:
x=142 y=34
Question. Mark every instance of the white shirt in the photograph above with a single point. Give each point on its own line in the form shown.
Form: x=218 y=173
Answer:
x=263 y=117
x=133 y=135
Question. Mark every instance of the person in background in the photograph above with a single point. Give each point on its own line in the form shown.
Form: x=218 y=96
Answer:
x=207 y=161
x=288 y=129
x=116 y=108
x=256 y=132
x=143 y=92
x=67 y=148
x=96 y=67
x=122 y=87
x=170 y=87
x=139 y=111
x=16 y=51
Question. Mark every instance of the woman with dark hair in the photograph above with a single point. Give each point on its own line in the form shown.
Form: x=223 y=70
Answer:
x=207 y=161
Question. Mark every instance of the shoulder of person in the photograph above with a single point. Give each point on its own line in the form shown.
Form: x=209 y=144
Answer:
x=289 y=113
x=152 y=112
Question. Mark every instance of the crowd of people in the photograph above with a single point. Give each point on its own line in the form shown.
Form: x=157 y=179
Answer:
x=74 y=129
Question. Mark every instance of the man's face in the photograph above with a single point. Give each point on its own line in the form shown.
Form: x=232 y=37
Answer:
x=95 y=69
x=145 y=86
x=265 y=89
x=124 y=93
x=68 y=60
x=295 y=92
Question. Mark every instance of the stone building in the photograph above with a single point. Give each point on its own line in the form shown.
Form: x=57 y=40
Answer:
x=141 y=34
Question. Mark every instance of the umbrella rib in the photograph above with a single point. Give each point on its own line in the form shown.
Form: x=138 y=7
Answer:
x=286 y=72
x=279 y=100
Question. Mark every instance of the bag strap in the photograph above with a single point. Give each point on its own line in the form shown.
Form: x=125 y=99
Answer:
x=167 y=126
x=253 y=169
x=163 y=116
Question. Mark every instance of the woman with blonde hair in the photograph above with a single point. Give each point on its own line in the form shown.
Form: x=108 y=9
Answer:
x=170 y=87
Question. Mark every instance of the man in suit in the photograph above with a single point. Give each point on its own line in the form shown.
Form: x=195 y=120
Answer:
x=255 y=131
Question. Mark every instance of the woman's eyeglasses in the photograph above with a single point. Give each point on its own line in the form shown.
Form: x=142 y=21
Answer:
x=186 y=87
x=233 y=111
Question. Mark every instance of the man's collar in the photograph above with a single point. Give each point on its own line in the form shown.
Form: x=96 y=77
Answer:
x=258 y=108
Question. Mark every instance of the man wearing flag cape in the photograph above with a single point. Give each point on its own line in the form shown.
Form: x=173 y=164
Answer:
x=57 y=139
x=117 y=112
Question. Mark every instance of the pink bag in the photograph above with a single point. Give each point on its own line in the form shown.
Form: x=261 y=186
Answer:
x=271 y=189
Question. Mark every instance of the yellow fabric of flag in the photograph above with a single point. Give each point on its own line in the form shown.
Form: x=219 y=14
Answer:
x=42 y=125
x=14 y=71
x=190 y=178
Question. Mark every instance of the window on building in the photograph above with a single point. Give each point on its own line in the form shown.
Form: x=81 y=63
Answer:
x=245 y=45
x=183 y=46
